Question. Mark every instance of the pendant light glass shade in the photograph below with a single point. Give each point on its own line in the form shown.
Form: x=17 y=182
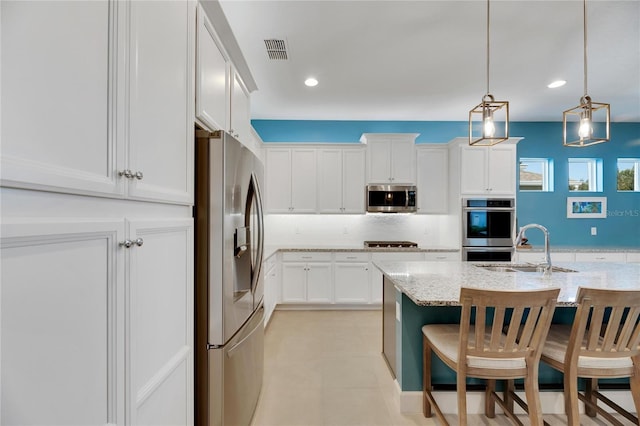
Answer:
x=588 y=123
x=489 y=120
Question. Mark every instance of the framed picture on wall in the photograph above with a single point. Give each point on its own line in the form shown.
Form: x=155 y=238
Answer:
x=586 y=207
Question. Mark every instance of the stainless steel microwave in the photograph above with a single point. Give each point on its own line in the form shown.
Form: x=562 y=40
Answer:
x=391 y=199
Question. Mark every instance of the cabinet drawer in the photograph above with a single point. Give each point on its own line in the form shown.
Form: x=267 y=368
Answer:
x=442 y=256
x=633 y=257
x=352 y=257
x=402 y=256
x=306 y=257
x=600 y=257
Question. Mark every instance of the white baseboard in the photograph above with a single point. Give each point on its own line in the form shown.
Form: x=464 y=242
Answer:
x=552 y=401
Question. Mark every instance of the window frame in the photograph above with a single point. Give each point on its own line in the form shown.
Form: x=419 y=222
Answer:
x=635 y=165
x=546 y=166
x=594 y=173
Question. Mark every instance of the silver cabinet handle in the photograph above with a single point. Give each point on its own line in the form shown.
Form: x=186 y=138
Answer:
x=128 y=243
x=131 y=175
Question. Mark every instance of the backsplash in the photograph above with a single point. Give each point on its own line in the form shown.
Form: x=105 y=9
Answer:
x=433 y=231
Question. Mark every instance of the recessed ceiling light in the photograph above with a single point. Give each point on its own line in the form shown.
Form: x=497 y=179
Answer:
x=311 y=82
x=557 y=83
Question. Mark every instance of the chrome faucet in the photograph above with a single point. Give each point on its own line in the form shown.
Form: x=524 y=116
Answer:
x=547 y=253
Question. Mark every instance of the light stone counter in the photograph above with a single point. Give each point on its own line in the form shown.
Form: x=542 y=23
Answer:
x=438 y=283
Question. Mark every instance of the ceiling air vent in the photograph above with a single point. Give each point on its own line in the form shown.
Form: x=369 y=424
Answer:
x=276 y=49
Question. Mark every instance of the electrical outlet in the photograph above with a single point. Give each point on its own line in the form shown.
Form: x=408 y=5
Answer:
x=594 y=230
x=297 y=230
x=345 y=230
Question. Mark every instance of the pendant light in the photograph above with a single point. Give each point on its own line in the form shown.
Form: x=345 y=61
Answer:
x=489 y=120
x=588 y=123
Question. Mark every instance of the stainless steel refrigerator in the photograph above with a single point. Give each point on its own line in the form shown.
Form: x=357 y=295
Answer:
x=229 y=315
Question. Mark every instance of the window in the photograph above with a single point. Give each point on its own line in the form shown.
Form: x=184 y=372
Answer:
x=628 y=174
x=536 y=174
x=585 y=174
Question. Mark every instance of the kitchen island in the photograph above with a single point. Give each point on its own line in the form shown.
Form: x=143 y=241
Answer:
x=418 y=293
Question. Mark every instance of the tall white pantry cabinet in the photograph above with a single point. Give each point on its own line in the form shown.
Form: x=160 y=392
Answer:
x=96 y=303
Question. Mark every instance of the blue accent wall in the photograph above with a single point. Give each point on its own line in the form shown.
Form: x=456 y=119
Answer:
x=621 y=227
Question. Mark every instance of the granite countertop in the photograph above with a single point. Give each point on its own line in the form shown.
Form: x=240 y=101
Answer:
x=438 y=283
x=580 y=249
x=271 y=250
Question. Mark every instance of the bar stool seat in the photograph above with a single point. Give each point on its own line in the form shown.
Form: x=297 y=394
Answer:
x=603 y=342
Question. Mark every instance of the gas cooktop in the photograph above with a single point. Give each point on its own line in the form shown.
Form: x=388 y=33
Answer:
x=386 y=244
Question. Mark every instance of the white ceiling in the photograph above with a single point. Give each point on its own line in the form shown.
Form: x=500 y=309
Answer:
x=426 y=60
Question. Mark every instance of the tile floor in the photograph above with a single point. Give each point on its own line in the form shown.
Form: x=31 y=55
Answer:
x=325 y=368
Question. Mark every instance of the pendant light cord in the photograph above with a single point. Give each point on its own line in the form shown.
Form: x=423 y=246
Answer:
x=488 y=50
x=584 y=30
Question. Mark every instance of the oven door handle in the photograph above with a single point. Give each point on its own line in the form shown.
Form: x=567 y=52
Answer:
x=489 y=209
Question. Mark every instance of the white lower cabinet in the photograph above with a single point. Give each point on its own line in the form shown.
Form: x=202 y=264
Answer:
x=160 y=326
x=601 y=257
x=633 y=257
x=538 y=257
x=93 y=332
x=271 y=286
x=351 y=278
x=306 y=277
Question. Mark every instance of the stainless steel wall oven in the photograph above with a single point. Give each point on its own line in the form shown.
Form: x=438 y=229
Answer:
x=488 y=228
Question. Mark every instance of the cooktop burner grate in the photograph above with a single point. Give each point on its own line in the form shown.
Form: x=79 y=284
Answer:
x=385 y=244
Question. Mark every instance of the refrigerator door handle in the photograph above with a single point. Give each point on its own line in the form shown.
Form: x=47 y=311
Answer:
x=255 y=198
x=259 y=325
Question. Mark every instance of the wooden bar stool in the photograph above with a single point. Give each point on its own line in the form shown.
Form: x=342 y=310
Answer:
x=604 y=342
x=504 y=343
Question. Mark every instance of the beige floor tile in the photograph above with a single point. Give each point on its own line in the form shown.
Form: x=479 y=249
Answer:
x=326 y=368
x=354 y=407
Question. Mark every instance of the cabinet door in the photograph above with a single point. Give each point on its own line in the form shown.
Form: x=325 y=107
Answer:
x=294 y=282
x=161 y=100
x=351 y=283
x=319 y=282
x=330 y=181
x=240 y=125
x=60 y=92
x=160 y=290
x=501 y=170
x=433 y=180
x=212 y=76
x=473 y=170
x=271 y=291
x=278 y=180
x=403 y=162
x=62 y=323
x=303 y=180
x=379 y=159
x=353 y=181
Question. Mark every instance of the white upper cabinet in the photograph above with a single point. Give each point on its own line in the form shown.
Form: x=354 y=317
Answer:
x=109 y=100
x=60 y=94
x=240 y=124
x=391 y=158
x=212 y=76
x=488 y=170
x=433 y=180
x=290 y=180
x=341 y=180
x=161 y=100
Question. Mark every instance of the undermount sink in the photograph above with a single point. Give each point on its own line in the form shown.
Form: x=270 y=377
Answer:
x=522 y=268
